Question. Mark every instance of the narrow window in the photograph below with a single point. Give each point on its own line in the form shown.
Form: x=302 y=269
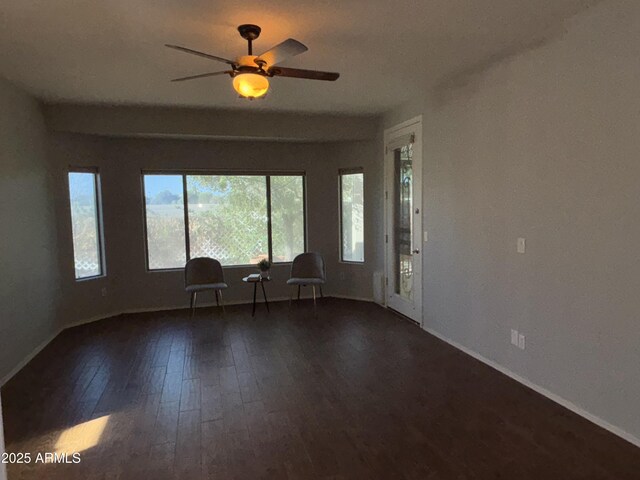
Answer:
x=84 y=198
x=165 y=221
x=352 y=215
x=287 y=217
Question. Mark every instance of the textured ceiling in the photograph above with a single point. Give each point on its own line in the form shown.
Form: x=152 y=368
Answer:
x=386 y=51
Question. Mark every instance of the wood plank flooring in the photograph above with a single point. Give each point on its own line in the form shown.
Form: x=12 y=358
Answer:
x=356 y=393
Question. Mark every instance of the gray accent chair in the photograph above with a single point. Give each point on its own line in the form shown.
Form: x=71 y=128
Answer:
x=308 y=269
x=201 y=274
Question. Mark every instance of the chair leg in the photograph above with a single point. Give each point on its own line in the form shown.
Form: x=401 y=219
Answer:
x=217 y=298
x=321 y=294
x=298 y=292
x=264 y=294
x=221 y=300
x=193 y=303
x=313 y=287
x=253 y=308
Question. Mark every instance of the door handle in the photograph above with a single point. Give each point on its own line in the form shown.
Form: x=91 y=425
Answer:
x=416 y=251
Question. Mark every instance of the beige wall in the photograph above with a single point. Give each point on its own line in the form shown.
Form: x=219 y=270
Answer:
x=131 y=287
x=544 y=146
x=355 y=281
x=29 y=280
x=80 y=300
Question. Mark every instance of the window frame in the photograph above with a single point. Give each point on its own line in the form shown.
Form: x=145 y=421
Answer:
x=266 y=174
x=342 y=172
x=95 y=171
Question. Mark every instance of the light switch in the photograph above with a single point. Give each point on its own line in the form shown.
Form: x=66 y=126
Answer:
x=521 y=247
x=521 y=341
x=425 y=236
x=514 y=337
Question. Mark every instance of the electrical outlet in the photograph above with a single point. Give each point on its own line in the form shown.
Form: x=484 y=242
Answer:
x=521 y=245
x=104 y=291
x=521 y=344
x=514 y=337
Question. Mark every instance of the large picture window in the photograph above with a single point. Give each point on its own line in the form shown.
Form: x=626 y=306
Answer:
x=84 y=199
x=352 y=215
x=236 y=219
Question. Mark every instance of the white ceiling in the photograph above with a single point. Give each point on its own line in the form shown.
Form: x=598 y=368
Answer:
x=386 y=51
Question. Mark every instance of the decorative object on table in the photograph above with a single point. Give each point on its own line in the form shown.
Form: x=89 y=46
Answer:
x=264 y=265
x=257 y=278
x=308 y=269
x=202 y=274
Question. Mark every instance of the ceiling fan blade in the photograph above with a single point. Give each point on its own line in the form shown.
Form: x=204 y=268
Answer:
x=300 y=73
x=200 y=54
x=202 y=75
x=287 y=49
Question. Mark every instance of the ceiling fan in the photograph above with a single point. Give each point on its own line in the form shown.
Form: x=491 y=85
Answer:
x=250 y=72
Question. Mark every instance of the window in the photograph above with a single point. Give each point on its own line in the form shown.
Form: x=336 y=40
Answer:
x=287 y=217
x=352 y=215
x=163 y=195
x=237 y=219
x=84 y=198
x=228 y=218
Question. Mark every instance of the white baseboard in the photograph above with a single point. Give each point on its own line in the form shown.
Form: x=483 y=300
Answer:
x=541 y=390
x=213 y=304
x=84 y=321
x=164 y=308
x=348 y=297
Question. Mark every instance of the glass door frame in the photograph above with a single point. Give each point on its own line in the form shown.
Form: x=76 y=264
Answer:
x=394 y=138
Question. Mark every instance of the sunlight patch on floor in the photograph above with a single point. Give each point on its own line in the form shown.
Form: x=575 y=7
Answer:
x=82 y=436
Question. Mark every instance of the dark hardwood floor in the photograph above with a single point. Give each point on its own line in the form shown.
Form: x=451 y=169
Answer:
x=355 y=393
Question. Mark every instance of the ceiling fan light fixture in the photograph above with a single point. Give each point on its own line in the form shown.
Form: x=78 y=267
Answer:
x=250 y=85
x=251 y=72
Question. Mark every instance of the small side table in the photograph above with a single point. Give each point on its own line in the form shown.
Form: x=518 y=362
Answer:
x=258 y=280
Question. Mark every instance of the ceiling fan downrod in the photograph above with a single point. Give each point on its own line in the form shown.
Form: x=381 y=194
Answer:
x=249 y=32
